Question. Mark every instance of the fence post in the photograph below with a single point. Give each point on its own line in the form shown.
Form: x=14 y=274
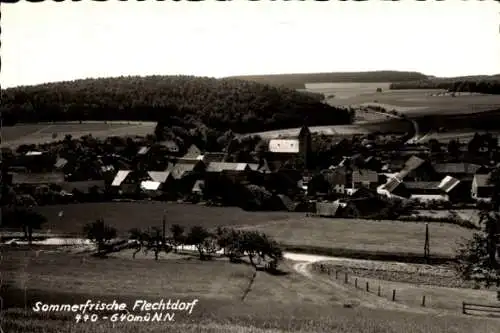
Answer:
x=336 y=275
x=423 y=300
x=346 y=278
x=378 y=291
x=356 y=283
x=393 y=295
x=463 y=307
x=367 y=286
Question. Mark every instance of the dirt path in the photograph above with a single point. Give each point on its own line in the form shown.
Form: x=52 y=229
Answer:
x=351 y=295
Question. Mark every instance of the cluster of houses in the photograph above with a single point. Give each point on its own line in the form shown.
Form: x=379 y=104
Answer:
x=356 y=179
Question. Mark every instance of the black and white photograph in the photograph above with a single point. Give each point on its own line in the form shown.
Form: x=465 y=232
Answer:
x=250 y=166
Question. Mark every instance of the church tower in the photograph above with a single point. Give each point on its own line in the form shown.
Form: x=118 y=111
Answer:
x=305 y=143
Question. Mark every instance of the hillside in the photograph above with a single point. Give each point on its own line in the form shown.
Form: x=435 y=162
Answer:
x=183 y=101
x=474 y=84
x=298 y=81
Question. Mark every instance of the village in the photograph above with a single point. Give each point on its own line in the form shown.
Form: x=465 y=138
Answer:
x=358 y=177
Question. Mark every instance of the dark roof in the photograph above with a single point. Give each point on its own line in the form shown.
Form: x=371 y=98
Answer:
x=392 y=184
x=365 y=175
x=213 y=157
x=467 y=168
x=82 y=186
x=37 y=178
x=421 y=185
x=336 y=176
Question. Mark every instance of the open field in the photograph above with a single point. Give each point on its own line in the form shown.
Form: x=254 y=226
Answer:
x=366 y=235
x=42 y=133
x=291 y=302
x=345 y=90
x=143 y=214
x=412 y=102
x=289 y=228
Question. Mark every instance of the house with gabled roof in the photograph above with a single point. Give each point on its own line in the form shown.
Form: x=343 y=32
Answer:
x=192 y=152
x=365 y=178
x=481 y=189
x=394 y=188
x=462 y=171
x=181 y=170
x=417 y=169
x=455 y=190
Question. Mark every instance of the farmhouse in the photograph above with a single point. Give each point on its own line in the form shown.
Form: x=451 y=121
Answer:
x=454 y=189
x=181 y=170
x=481 y=188
x=364 y=178
x=394 y=188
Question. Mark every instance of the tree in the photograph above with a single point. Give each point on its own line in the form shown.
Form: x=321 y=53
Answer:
x=177 y=235
x=478 y=257
x=151 y=240
x=453 y=148
x=197 y=236
x=99 y=233
x=24 y=218
x=435 y=146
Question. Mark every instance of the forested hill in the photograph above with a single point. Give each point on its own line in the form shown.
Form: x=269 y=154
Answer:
x=298 y=81
x=185 y=101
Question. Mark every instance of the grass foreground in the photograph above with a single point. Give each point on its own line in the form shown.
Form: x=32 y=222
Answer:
x=285 y=303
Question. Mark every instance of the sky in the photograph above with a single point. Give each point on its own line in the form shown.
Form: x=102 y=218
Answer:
x=49 y=41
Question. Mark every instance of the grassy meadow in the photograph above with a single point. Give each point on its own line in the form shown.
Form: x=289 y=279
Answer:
x=289 y=302
x=291 y=229
x=127 y=215
x=366 y=235
x=13 y=136
x=412 y=102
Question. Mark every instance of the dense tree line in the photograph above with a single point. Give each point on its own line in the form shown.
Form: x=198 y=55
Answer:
x=484 y=85
x=298 y=81
x=186 y=102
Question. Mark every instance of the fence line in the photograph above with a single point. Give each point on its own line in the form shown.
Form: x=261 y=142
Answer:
x=480 y=307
